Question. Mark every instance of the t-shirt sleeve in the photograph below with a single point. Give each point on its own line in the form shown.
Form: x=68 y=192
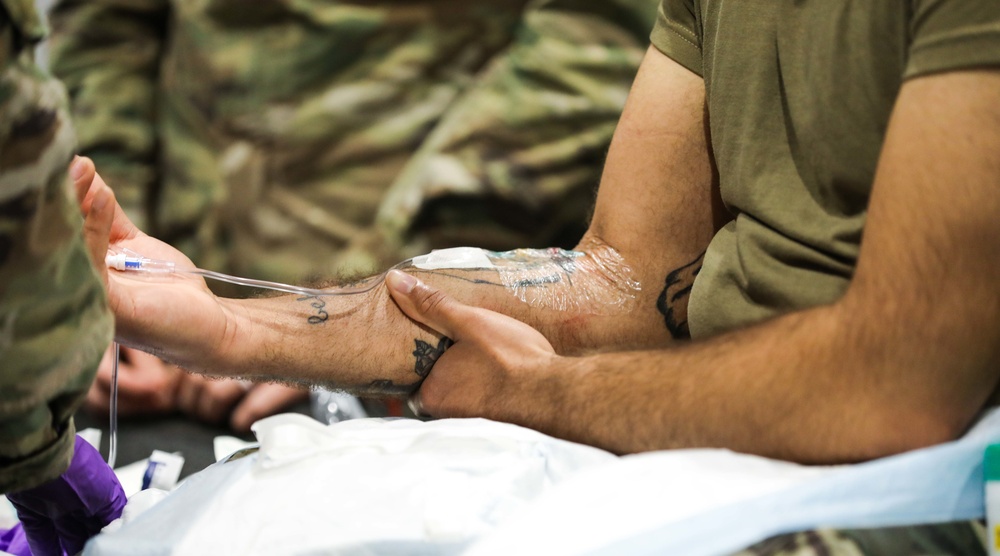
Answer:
x=676 y=33
x=952 y=35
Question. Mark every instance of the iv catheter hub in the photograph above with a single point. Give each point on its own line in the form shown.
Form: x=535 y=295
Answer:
x=125 y=261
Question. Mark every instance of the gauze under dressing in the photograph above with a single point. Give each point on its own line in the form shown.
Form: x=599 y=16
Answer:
x=597 y=282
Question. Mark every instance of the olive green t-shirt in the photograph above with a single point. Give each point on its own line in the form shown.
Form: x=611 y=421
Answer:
x=799 y=96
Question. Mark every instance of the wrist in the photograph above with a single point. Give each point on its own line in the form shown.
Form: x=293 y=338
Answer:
x=535 y=397
x=230 y=353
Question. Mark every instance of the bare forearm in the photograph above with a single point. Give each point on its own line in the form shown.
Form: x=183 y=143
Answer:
x=906 y=358
x=814 y=387
x=364 y=343
x=355 y=343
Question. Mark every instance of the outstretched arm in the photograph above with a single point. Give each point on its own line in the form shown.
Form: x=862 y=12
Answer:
x=364 y=343
x=906 y=358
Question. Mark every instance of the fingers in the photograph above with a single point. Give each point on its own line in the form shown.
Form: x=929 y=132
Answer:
x=97 y=205
x=146 y=384
x=82 y=172
x=99 y=395
x=87 y=183
x=265 y=400
x=429 y=306
x=41 y=533
x=416 y=405
x=97 y=229
x=209 y=399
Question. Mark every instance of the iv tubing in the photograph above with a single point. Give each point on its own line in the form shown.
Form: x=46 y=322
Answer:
x=127 y=260
x=113 y=429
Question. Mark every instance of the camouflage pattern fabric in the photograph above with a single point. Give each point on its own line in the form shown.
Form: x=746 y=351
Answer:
x=957 y=539
x=54 y=321
x=517 y=159
x=261 y=138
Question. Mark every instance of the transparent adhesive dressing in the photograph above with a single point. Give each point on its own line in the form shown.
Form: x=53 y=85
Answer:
x=596 y=282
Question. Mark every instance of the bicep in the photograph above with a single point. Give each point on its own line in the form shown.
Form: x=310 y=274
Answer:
x=928 y=274
x=658 y=193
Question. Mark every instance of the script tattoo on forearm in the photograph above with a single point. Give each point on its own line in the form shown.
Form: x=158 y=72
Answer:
x=321 y=314
x=672 y=302
x=427 y=354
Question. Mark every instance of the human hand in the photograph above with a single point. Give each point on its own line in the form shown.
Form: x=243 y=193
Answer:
x=493 y=360
x=60 y=515
x=13 y=541
x=174 y=316
x=147 y=385
x=212 y=400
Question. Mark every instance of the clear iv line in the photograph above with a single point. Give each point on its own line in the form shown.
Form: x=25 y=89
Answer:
x=127 y=260
x=113 y=430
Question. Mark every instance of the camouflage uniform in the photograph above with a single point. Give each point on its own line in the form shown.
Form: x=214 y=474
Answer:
x=957 y=539
x=262 y=140
x=516 y=159
x=54 y=321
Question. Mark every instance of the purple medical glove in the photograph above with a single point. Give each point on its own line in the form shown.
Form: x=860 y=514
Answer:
x=14 y=542
x=60 y=515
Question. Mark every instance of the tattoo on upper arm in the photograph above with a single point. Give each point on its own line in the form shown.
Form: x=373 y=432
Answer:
x=426 y=354
x=672 y=302
x=321 y=314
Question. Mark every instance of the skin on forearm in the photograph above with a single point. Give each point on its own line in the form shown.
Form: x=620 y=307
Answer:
x=357 y=343
x=329 y=340
x=819 y=386
x=743 y=391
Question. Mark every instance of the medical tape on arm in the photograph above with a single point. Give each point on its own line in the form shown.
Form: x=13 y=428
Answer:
x=598 y=281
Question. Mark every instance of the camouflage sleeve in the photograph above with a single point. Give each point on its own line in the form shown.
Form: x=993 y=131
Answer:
x=107 y=53
x=966 y=538
x=54 y=321
x=517 y=158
